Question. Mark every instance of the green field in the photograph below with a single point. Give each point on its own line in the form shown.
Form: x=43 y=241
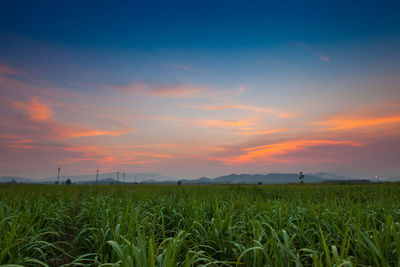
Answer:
x=238 y=225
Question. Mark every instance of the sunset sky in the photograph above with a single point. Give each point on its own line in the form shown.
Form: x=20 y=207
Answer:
x=200 y=88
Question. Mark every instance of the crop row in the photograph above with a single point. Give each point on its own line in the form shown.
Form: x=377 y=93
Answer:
x=285 y=225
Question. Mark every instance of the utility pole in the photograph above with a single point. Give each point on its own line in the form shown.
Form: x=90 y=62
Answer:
x=58 y=175
x=301 y=177
x=117 y=177
x=135 y=180
x=123 y=177
x=97 y=175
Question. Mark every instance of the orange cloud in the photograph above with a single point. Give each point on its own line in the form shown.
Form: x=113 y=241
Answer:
x=145 y=89
x=74 y=132
x=143 y=154
x=38 y=111
x=267 y=152
x=275 y=112
x=208 y=122
x=14 y=142
x=346 y=123
x=271 y=131
x=111 y=155
x=221 y=123
x=34 y=109
x=108 y=159
x=40 y=116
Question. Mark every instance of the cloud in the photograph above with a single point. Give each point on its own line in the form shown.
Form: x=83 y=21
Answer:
x=347 y=123
x=186 y=68
x=145 y=89
x=207 y=123
x=8 y=70
x=221 y=123
x=314 y=52
x=325 y=58
x=61 y=132
x=278 y=113
x=13 y=142
x=34 y=109
x=270 y=152
x=261 y=132
x=39 y=123
x=122 y=155
x=239 y=91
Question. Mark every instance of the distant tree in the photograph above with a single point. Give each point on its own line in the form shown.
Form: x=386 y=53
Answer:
x=13 y=181
x=56 y=182
x=301 y=177
x=68 y=181
x=259 y=183
x=179 y=183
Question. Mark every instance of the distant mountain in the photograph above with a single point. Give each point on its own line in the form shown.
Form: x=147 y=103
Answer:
x=272 y=178
x=330 y=176
x=7 y=179
x=390 y=179
x=104 y=181
x=154 y=178
x=129 y=177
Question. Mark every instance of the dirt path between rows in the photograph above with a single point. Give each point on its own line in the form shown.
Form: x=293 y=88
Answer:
x=71 y=229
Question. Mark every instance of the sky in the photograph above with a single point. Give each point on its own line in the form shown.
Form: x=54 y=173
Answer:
x=200 y=88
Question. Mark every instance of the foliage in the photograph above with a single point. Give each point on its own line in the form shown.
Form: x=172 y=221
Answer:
x=238 y=225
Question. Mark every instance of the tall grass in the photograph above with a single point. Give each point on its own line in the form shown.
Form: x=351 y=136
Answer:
x=283 y=225
x=31 y=224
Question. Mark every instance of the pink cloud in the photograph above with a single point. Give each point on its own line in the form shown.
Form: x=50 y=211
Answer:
x=41 y=124
x=8 y=70
x=354 y=122
x=325 y=58
x=208 y=123
x=261 y=132
x=276 y=151
x=278 y=113
x=145 y=89
x=34 y=109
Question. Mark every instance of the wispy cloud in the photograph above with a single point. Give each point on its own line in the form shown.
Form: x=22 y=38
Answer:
x=34 y=109
x=40 y=122
x=8 y=70
x=352 y=122
x=13 y=142
x=278 y=113
x=221 y=123
x=315 y=53
x=207 y=123
x=239 y=91
x=173 y=91
x=262 y=132
x=325 y=58
x=186 y=68
x=269 y=153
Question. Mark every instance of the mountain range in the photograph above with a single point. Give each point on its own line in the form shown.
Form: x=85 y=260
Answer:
x=154 y=178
